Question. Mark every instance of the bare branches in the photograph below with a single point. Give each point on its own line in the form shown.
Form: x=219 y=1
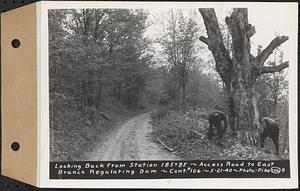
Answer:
x=241 y=32
x=272 y=69
x=212 y=28
x=215 y=43
x=204 y=40
x=263 y=56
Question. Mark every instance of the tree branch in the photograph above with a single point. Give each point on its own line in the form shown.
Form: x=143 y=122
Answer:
x=273 y=69
x=263 y=56
x=215 y=43
x=205 y=40
x=250 y=31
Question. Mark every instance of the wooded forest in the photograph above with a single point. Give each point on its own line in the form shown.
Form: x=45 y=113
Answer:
x=107 y=65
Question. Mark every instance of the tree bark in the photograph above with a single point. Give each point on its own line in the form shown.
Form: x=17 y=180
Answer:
x=239 y=72
x=177 y=93
x=183 y=97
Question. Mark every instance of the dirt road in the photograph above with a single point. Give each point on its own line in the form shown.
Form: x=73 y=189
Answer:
x=131 y=141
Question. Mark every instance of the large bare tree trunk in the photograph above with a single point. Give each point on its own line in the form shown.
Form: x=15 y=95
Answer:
x=239 y=72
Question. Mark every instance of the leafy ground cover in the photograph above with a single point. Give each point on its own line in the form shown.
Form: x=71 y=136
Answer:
x=74 y=132
x=187 y=135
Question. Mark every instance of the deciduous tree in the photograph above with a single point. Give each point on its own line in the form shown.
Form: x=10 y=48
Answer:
x=240 y=71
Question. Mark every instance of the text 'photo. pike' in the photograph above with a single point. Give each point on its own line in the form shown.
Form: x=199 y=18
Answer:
x=176 y=84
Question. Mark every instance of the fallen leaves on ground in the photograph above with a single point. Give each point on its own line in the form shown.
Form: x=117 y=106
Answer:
x=187 y=134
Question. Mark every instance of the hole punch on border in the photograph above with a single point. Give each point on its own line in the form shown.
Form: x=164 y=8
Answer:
x=15 y=146
x=16 y=43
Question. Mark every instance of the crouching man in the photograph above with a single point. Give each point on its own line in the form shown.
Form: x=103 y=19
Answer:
x=270 y=128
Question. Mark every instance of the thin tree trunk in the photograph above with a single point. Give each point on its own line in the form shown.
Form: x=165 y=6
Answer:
x=285 y=142
x=119 y=91
x=183 y=97
x=177 y=94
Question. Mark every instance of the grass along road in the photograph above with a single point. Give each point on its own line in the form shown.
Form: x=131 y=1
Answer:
x=131 y=141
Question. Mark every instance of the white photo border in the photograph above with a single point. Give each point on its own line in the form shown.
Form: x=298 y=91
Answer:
x=43 y=105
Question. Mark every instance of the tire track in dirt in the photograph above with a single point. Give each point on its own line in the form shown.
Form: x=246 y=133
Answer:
x=131 y=141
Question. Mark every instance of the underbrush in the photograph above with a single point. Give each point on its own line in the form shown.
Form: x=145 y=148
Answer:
x=187 y=135
x=74 y=131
